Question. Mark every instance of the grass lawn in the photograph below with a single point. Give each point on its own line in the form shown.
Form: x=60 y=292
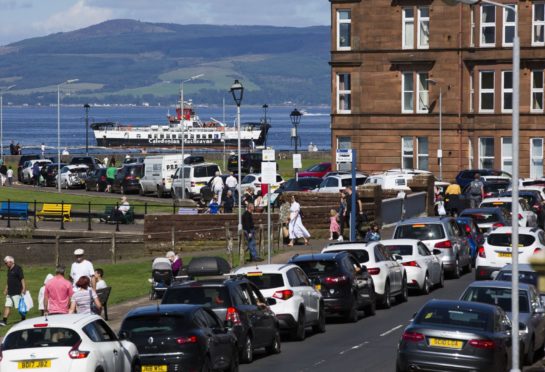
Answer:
x=285 y=166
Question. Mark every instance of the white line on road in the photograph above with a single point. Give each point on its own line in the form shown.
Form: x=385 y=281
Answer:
x=320 y=362
x=391 y=330
x=354 y=347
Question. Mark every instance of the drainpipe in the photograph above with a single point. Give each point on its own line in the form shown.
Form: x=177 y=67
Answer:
x=461 y=79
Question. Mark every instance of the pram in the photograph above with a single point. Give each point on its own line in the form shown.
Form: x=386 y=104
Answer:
x=161 y=277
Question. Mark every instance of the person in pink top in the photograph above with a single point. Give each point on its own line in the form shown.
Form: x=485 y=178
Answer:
x=334 y=227
x=58 y=292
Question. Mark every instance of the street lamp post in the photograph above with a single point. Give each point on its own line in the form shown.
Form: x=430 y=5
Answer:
x=237 y=90
x=515 y=177
x=86 y=107
x=183 y=126
x=440 y=149
x=2 y=119
x=295 y=117
x=265 y=107
x=59 y=130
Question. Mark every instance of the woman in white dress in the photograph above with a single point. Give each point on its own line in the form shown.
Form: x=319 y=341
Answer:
x=296 y=228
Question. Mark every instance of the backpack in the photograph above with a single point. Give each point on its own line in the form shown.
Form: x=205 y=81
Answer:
x=475 y=187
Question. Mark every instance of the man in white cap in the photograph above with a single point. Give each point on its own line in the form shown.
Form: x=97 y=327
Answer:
x=81 y=267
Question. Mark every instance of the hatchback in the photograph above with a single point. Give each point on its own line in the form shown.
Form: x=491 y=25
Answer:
x=488 y=219
x=339 y=182
x=317 y=170
x=127 y=178
x=526 y=216
x=96 y=180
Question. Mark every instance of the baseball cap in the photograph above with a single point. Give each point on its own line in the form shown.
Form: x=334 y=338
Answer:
x=79 y=252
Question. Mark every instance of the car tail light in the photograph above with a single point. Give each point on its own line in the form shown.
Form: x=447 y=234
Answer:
x=468 y=229
x=412 y=336
x=496 y=225
x=40 y=325
x=129 y=178
x=520 y=216
x=103 y=178
x=374 y=271
x=443 y=244
x=335 y=279
x=537 y=250
x=488 y=194
x=482 y=344
x=75 y=353
x=481 y=252
x=411 y=263
x=232 y=316
x=186 y=340
x=284 y=294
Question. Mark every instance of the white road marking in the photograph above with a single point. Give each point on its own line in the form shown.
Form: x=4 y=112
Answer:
x=320 y=362
x=355 y=347
x=391 y=330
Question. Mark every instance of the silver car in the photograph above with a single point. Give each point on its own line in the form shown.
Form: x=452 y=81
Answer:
x=532 y=313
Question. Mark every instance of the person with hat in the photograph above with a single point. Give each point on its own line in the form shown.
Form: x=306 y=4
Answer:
x=58 y=292
x=15 y=288
x=175 y=262
x=81 y=267
x=119 y=212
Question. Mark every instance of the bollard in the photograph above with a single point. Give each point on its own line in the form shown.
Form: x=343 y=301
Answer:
x=173 y=237
x=116 y=217
x=62 y=214
x=57 y=250
x=35 y=225
x=89 y=218
x=114 y=258
x=9 y=213
x=145 y=208
x=229 y=240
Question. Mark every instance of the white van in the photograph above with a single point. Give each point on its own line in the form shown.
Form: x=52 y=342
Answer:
x=158 y=172
x=390 y=181
x=196 y=176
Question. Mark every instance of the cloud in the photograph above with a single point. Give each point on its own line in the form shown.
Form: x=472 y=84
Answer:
x=6 y=5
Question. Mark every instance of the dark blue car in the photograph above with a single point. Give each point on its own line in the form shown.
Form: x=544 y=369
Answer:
x=474 y=235
x=465 y=177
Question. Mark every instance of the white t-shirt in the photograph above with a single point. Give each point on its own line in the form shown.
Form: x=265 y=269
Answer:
x=217 y=183
x=124 y=208
x=83 y=268
x=231 y=181
x=10 y=173
x=101 y=284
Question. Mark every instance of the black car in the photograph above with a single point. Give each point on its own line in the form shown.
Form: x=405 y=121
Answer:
x=346 y=286
x=96 y=180
x=300 y=184
x=22 y=160
x=127 y=178
x=51 y=172
x=465 y=177
x=180 y=338
x=535 y=201
x=488 y=219
x=234 y=299
x=249 y=163
x=92 y=162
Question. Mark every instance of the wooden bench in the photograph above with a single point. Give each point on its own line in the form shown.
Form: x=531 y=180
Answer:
x=103 y=295
x=55 y=211
x=123 y=218
x=14 y=209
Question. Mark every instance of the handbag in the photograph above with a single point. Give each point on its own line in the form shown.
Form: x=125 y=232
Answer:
x=22 y=307
x=28 y=300
x=94 y=308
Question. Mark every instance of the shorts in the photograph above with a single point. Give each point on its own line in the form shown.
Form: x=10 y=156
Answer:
x=13 y=301
x=110 y=181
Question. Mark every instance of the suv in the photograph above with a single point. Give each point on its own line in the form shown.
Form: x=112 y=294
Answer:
x=298 y=303
x=22 y=160
x=346 y=286
x=26 y=173
x=196 y=176
x=127 y=178
x=234 y=299
x=338 y=182
x=96 y=180
x=465 y=177
x=526 y=216
x=91 y=162
x=441 y=233
x=249 y=163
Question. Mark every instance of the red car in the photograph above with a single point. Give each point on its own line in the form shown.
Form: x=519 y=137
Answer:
x=317 y=170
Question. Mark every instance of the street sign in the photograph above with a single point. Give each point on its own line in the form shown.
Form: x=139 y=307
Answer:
x=268 y=172
x=344 y=156
x=268 y=155
x=297 y=163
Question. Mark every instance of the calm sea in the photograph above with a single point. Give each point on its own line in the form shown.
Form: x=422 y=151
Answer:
x=30 y=126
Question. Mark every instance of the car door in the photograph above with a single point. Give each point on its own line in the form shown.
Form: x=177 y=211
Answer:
x=538 y=317
x=395 y=266
x=430 y=262
x=311 y=296
x=384 y=262
x=219 y=340
x=265 y=320
x=108 y=347
x=459 y=241
x=119 y=177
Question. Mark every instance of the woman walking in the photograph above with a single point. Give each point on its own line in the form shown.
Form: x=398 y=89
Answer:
x=83 y=297
x=296 y=228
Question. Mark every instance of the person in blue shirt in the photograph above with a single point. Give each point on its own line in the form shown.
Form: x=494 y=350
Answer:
x=213 y=207
x=373 y=235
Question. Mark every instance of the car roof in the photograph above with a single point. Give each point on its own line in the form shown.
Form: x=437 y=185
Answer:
x=453 y=304
x=482 y=210
x=64 y=320
x=163 y=309
x=522 y=267
x=400 y=241
x=317 y=257
x=508 y=230
x=497 y=284
x=416 y=220
x=497 y=199
x=347 y=246
x=269 y=268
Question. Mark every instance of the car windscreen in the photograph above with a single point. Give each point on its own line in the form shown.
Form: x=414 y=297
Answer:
x=213 y=297
x=496 y=296
x=482 y=217
x=420 y=231
x=404 y=250
x=311 y=183
x=318 y=168
x=247 y=179
x=503 y=205
x=40 y=337
x=266 y=281
x=495 y=187
x=504 y=240
x=155 y=325
x=455 y=318
x=348 y=181
x=361 y=255
x=528 y=277
x=319 y=267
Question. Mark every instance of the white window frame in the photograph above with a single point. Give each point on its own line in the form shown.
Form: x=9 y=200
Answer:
x=483 y=25
x=421 y=20
x=506 y=24
x=505 y=91
x=470 y=156
x=534 y=90
x=404 y=76
x=537 y=23
x=403 y=156
x=420 y=155
x=472 y=30
x=533 y=173
x=504 y=157
x=344 y=92
x=481 y=156
x=488 y=90
x=407 y=20
x=423 y=95
x=344 y=21
x=471 y=91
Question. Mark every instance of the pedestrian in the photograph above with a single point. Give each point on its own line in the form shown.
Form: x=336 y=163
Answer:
x=360 y=217
x=41 y=294
x=43 y=176
x=334 y=227
x=15 y=288
x=284 y=217
x=217 y=186
x=231 y=182
x=18 y=149
x=373 y=235
x=452 y=199
x=105 y=162
x=476 y=191
x=228 y=202
x=42 y=150
x=341 y=211
x=3 y=174
x=176 y=262
x=213 y=207
x=9 y=174
x=258 y=202
x=12 y=150
x=249 y=232
x=248 y=197
x=100 y=283
x=81 y=267
x=36 y=173
x=110 y=175
x=83 y=297
x=296 y=228
x=58 y=292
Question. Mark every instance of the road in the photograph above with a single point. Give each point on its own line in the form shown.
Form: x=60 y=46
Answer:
x=368 y=345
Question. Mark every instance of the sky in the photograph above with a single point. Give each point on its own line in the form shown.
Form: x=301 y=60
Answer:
x=22 y=19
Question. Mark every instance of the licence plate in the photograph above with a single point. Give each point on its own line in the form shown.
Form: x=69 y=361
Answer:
x=446 y=343
x=201 y=183
x=504 y=254
x=318 y=287
x=28 y=364
x=162 y=368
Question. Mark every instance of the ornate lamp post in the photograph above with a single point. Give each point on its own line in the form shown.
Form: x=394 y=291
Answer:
x=86 y=107
x=295 y=117
x=265 y=107
x=237 y=90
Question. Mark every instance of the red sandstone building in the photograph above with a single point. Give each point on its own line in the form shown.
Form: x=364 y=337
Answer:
x=391 y=59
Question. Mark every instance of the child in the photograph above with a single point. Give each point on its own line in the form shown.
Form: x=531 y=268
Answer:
x=41 y=293
x=213 y=207
x=334 y=227
x=373 y=235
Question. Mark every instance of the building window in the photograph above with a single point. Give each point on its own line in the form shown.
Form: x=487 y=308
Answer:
x=488 y=26
x=537 y=91
x=486 y=152
x=471 y=92
x=344 y=143
x=344 y=96
x=486 y=91
x=538 y=24
x=408 y=92
x=507 y=154
x=536 y=157
x=506 y=91
x=423 y=153
x=409 y=27
x=508 y=26
x=423 y=27
x=408 y=95
x=407 y=153
x=344 y=29
x=470 y=153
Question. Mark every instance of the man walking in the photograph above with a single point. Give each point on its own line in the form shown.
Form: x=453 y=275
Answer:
x=15 y=288
x=81 y=267
x=110 y=175
x=58 y=292
x=476 y=191
x=217 y=186
x=249 y=232
x=231 y=183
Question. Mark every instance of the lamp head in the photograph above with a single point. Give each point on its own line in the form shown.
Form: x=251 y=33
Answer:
x=295 y=117
x=237 y=90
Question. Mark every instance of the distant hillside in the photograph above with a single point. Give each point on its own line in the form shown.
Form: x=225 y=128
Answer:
x=130 y=61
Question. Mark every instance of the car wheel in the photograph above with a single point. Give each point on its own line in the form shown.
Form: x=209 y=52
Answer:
x=274 y=347
x=352 y=314
x=86 y=187
x=426 y=285
x=299 y=332
x=206 y=366
x=160 y=193
x=456 y=273
x=97 y=187
x=247 y=355
x=404 y=295
x=529 y=357
x=233 y=366
x=442 y=278
x=386 y=300
x=371 y=309
x=319 y=327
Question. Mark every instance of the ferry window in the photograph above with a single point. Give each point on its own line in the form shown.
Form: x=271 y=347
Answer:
x=173 y=136
x=198 y=136
x=168 y=136
x=155 y=136
x=185 y=136
x=149 y=135
x=161 y=136
x=210 y=136
x=138 y=136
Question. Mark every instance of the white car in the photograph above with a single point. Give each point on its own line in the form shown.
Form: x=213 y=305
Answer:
x=540 y=188
x=298 y=303
x=254 y=180
x=424 y=268
x=497 y=249
x=389 y=276
x=68 y=343
x=27 y=168
x=338 y=182
x=526 y=216
x=73 y=175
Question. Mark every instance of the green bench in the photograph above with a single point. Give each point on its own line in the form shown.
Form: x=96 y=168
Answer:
x=126 y=218
x=55 y=211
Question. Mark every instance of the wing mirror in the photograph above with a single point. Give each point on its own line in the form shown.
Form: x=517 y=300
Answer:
x=271 y=301
x=398 y=257
x=437 y=252
x=540 y=310
x=124 y=335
